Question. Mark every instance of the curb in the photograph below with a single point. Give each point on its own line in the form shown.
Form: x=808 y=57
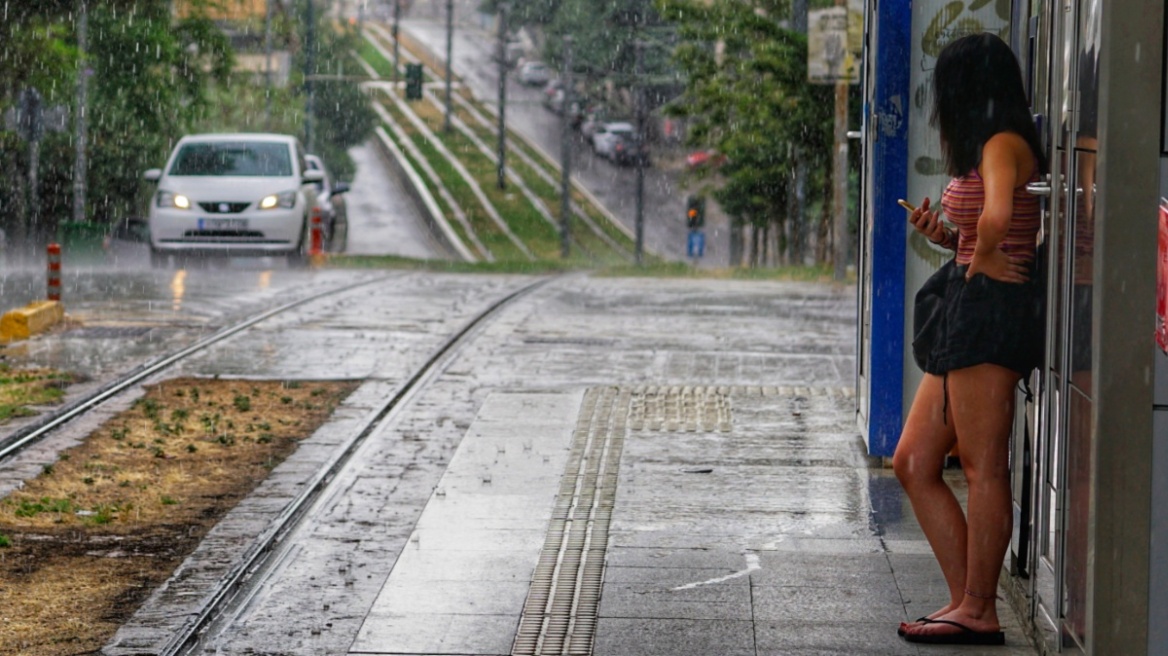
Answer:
x=421 y=195
x=32 y=319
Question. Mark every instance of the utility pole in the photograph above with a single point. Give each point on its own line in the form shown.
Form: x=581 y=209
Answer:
x=502 y=17
x=309 y=46
x=79 y=165
x=638 y=140
x=839 y=203
x=32 y=127
x=449 y=60
x=566 y=153
x=799 y=16
x=268 y=65
x=396 y=54
x=799 y=195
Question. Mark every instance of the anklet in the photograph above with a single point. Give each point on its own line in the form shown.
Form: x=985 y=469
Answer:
x=975 y=595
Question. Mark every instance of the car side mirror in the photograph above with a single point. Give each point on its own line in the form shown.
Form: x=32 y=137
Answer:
x=153 y=175
x=340 y=188
x=313 y=176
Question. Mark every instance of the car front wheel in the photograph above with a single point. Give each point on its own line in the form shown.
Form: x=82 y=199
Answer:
x=297 y=258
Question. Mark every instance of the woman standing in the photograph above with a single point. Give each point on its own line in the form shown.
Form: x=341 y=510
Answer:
x=984 y=335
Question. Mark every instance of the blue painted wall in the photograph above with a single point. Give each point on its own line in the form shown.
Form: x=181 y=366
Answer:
x=888 y=149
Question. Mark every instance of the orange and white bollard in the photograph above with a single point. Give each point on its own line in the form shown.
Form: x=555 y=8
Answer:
x=54 y=272
x=317 y=244
x=316 y=238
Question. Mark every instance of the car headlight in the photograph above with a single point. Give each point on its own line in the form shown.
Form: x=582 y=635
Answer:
x=286 y=200
x=169 y=199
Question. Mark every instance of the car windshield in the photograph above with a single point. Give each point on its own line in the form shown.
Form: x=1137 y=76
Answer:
x=236 y=158
x=620 y=132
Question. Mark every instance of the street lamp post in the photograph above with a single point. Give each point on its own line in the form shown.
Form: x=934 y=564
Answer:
x=638 y=141
x=502 y=17
x=79 y=164
x=396 y=51
x=309 y=46
x=449 y=60
x=566 y=153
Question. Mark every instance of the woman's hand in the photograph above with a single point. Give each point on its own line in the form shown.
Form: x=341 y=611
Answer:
x=928 y=223
x=997 y=265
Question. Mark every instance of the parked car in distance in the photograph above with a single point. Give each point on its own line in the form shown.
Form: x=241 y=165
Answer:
x=334 y=213
x=605 y=137
x=549 y=90
x=593 y=120
x=534 y=73
x=232 y=194
x=625 y=150
x=512 y=53
x=704 y=158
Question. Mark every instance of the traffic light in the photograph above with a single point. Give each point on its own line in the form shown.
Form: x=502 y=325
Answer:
x=695 y=212
x=413 y=81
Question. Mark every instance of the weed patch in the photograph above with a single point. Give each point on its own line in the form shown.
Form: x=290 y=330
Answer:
x=89 y=538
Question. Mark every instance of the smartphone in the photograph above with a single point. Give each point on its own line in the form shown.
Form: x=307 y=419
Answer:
x=906 y=205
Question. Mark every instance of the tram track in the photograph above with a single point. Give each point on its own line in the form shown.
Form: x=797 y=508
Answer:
x=13 y=444
x=264 y=554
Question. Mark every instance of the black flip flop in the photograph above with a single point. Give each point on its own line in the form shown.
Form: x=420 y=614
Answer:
x=966 y=636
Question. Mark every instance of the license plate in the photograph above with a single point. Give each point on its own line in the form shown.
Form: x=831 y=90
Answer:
x=222 y=224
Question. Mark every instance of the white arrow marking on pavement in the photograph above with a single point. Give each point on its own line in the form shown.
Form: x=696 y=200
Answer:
x=751 y=565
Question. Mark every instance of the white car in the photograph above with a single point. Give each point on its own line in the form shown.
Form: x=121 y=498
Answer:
x=232 y=194
x=534 y=73
x=606 y=136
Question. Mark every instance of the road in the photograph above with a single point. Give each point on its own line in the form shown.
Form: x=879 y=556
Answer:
x=383 y=219
x=614 y=186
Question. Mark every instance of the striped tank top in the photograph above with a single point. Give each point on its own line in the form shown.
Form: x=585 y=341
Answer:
x=963 y=201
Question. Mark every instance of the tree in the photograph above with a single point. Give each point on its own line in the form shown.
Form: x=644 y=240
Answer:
x=747 y=96
x=150 y=75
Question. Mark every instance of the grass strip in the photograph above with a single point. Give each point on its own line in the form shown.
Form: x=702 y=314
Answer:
x=21 y=389
x=524 y=220
x=489 y=233
x=438 y=197
x=374 y=58
x=515 y=143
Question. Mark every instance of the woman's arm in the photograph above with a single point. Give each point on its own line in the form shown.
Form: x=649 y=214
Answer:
x=1002 y=169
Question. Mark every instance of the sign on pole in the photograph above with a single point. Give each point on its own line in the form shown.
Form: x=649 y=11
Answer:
x=835 y=38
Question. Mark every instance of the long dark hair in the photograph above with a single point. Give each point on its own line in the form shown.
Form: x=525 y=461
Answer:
x=977 y=93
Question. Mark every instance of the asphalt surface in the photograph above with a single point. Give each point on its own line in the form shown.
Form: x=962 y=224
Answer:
x=383 y=219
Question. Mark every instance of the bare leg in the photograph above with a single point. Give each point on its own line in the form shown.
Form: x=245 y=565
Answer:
x=928 y=436
x=982 y=409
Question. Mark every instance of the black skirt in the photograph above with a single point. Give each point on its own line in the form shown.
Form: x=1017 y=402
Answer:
x=958 y=324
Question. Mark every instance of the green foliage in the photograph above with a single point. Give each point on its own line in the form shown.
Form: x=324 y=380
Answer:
x=750 y=99
x=343 y=117
x=28 y=508
x=149 y=79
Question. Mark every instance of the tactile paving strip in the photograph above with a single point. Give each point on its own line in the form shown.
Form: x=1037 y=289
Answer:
x=680 y=408
x=559 y=616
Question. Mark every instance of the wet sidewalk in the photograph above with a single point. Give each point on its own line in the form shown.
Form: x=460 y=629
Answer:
x=746 y=522
x=634 y=466
x=734 y=513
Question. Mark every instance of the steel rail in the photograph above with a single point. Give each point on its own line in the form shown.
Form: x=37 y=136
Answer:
x=239 y=580
x=20 y=439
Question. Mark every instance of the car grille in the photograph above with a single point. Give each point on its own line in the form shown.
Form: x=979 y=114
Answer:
x=226 y=235
x=223 y=208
